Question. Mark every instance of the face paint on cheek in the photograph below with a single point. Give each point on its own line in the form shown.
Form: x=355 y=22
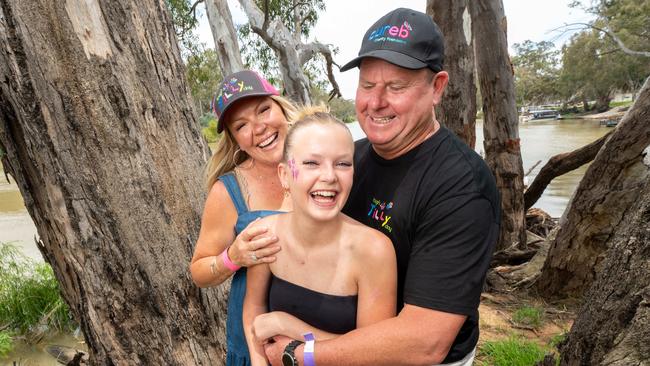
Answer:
x=293 y=168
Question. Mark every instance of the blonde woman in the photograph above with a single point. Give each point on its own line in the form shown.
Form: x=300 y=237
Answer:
x=243 y=185
x=333 y=274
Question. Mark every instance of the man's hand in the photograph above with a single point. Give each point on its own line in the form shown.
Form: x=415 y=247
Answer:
x=275 y=348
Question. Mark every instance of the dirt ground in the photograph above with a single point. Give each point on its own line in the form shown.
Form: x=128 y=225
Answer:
x=496 y=319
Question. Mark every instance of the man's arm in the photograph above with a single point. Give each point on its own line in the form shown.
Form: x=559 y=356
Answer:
x=417 y=336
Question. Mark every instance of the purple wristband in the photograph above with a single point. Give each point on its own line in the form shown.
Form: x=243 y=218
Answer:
x=308 y=352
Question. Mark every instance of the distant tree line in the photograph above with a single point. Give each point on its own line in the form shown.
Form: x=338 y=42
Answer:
x=606 y=56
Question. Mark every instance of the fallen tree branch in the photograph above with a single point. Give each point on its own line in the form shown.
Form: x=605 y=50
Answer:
x=559 y=165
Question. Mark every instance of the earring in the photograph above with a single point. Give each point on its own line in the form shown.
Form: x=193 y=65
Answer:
x=234 y=157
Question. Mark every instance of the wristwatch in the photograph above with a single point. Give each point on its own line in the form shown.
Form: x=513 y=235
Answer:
x=288 y=357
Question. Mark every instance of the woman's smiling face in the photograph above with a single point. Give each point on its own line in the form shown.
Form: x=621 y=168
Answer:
x=259 y=127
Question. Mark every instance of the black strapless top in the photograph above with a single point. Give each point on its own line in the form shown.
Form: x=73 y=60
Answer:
x=331 y=313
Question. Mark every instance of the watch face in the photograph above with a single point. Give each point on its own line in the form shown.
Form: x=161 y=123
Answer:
x=287 y=360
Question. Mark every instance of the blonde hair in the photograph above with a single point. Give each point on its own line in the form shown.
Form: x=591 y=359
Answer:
x=225 y=153
x=307 y=116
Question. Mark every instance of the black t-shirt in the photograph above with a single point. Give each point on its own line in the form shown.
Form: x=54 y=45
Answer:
x=439 y=205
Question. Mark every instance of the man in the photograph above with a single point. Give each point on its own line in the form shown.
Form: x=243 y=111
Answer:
x=431 y=194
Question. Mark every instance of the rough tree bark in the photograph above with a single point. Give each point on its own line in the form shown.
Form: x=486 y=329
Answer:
x=97 y=125
x=458 y=112
x=291 y=52
x=225 y=36
x=561 y=164
x=613 y=326
x=500 y=126
x=602 y=199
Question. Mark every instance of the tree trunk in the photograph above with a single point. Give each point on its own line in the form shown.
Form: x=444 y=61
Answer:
x=500 y=128
x=225 y=36
x=613 y=326
x=97 y=125
x=282 y=41
x=602 y=199
x=458 y=112
x=602 y=103
x=561 y=164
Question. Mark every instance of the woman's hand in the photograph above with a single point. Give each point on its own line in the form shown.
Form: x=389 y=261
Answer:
x=268 y=325
x=254 y=245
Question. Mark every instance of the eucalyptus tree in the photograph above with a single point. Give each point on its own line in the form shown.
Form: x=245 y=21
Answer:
x=225 y=36
x=204 y=74
x=593 y=67
x=500 y=126
x=284 y=26
x=458 y=112
x=99 y=133
x=536 y=72
x=611 y=53
x=612 y=184
x=600 y=251
x=625 y=22
x=185 y=21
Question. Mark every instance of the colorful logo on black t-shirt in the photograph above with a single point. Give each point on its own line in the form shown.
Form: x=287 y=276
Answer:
x=379 y=212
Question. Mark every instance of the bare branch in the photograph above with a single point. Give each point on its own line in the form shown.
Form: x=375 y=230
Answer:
x=281 y=40
x=302 y=22
x=300 y=3
x=608 y=33
x=308 y=51
x=193 y=8
x=620 y=43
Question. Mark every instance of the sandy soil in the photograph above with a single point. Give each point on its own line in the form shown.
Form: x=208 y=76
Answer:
x=614 y=113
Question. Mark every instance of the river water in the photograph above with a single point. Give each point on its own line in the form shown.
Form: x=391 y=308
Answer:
x=539 y=141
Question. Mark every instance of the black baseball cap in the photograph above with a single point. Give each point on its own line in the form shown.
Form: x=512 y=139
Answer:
x=236 y=86
x=406 y=38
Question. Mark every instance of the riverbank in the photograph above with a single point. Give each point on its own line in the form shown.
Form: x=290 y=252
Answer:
x=614 y=113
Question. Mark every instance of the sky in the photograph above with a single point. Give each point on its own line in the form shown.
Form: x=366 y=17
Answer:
x=344 y=23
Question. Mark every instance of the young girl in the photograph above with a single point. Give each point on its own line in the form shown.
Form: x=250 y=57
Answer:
x=333 y=273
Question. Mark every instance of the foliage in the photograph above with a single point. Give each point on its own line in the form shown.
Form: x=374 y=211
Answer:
x=29 y=294
x=343 y=109
x=300 y=18
x=557 y=339
x=513 y=351
x=528 y=316
x=6 y=343
x=185 y=22
x=210 y=131
x=594 y=66
x=536 y=72
x=203 y=75
x=627 y=19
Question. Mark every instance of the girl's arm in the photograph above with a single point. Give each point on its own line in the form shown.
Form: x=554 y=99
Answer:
x=275 y=323
x=377 y=282
x=377 y=279
x=257 y=286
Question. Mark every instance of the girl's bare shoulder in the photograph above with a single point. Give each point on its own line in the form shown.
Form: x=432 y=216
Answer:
x=367 y=242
